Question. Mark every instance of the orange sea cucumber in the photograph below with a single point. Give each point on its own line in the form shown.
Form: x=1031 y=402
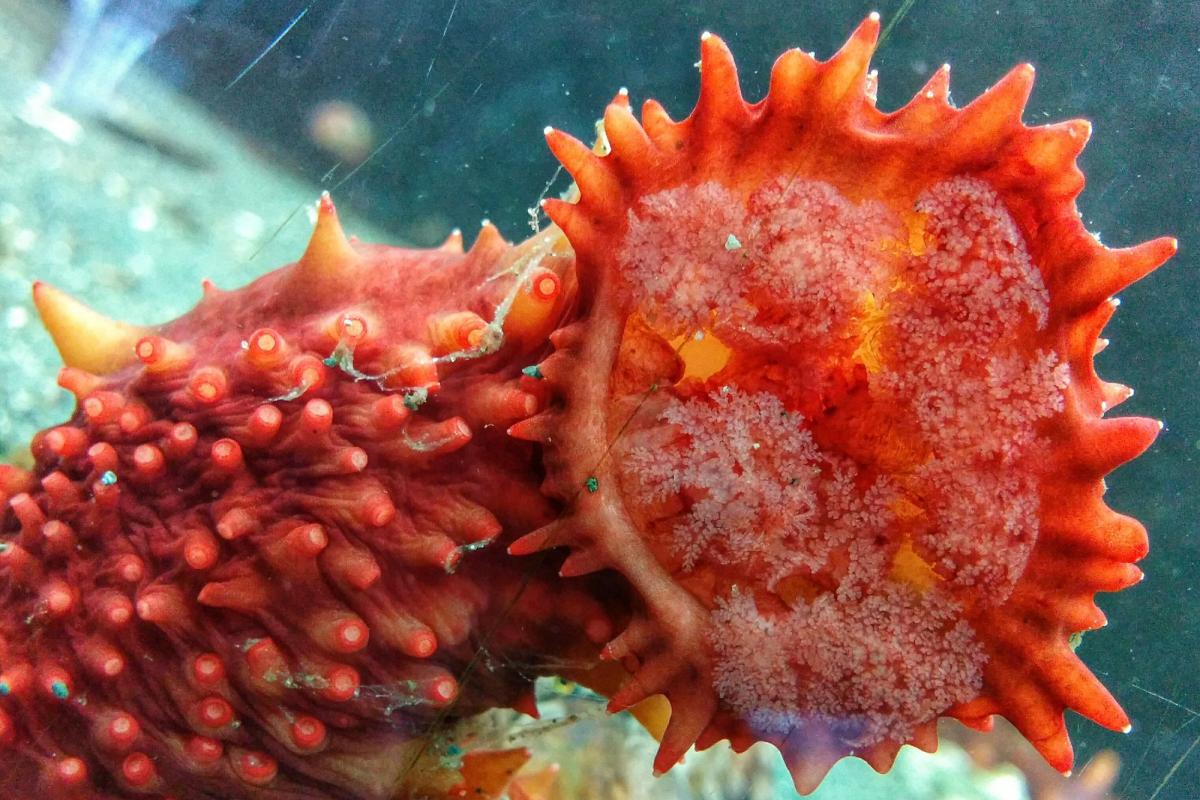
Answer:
x=805 y=388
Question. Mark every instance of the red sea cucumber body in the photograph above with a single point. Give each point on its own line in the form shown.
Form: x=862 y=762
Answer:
x=813 y=399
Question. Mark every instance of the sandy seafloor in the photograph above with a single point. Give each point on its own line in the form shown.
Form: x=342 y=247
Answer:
x=133 y=231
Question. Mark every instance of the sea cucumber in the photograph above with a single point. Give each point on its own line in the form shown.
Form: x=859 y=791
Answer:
x=805 y=388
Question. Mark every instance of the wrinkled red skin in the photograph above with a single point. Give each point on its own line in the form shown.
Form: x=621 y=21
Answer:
x=496 y=620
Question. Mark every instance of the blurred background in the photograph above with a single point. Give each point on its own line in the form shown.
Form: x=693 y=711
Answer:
x=146 y=144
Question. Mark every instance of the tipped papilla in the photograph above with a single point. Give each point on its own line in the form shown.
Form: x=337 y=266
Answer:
x=138 y=771
x=350 y=566
x=456 y=331
x=489 y=243
x=57 y=598
x=1099 y=273
x=307 y=734
x=161 y=355
x=376 y=510
x=226 y=455
x=29 y=514
x=17 y=680
x=555 y=534
x=1106 y=444
x=268 y=666
x=316 y=418
x=211 y=713
x=252 y=766
x=208 y=386
x=101 y=658
x=181 y=441
x=338 y=631
x=62 y=494
x=111 y=609
x=200 y=549
x=19 y=565
x=244 y=593
x=163 y=605
x=207 y=670
x=389 y=413
x=85 y=338
x=339 y=683
x=79 y=382
x=129 y=568
x=54 y=683
x=265 y=349
x=536 y=429
x=203 y=751
x=495 y=403
x=663 y=131
x=263 y=424
x=68 y=774
x=115 y=731
x=102 y=407
x=65 y=441
x=306 y=373
x=58 y=538
x=148 y=461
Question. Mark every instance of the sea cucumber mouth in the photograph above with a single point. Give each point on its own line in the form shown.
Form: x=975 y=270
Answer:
x=830 y=408
x=812 y=468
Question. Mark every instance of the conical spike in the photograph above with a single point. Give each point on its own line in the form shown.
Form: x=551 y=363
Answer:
x=630 y=145
x=720 y=102
x=845 y=74
x=621 y=98
x=937 y=88
x=489 y=239
x=555 y=534
x=596 y=183
x=809 y=755
x=791 y=77
x=453 y=243
x=685 y=725
x=567 y=216
x=1076 y=686
x=720 y=93
x=85 y=338
x=993 y=115
x=329 y=252
x=538 y=428
x=1113 y=270
x=581 y=562
x=659 y=126
x=1053 y=148
x=1109 y=443
x=881 y=755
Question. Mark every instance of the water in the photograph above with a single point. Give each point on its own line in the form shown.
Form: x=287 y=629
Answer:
x=197 y=163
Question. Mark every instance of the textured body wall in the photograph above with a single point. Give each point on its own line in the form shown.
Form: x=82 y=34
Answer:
x=807 y=386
